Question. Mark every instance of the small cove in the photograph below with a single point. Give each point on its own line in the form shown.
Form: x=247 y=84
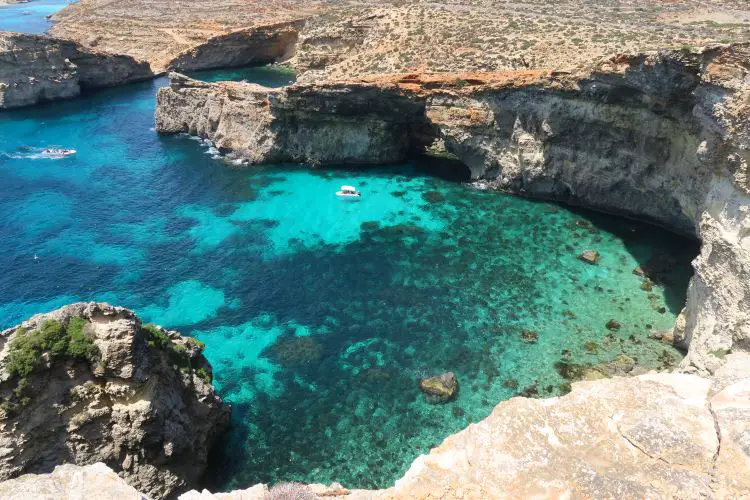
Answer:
x=320 y=316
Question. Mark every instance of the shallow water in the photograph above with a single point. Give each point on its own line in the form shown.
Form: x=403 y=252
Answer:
x=320 y=315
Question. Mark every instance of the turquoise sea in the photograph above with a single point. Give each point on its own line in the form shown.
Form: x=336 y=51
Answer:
x=321 y=315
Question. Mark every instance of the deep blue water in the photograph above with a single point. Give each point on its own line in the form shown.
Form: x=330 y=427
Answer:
x=29 y=17
x=319 y=315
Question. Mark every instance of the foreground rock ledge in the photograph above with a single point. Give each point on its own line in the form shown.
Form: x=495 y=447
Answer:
x=105 y=388
x=653 y=436
x=662 y=137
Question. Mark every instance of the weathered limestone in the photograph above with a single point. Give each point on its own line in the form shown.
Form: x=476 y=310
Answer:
x=258 y=45
x=70 y=482
x=144 y=406
x=346 y=123
x=37 y=68
x=662 y=137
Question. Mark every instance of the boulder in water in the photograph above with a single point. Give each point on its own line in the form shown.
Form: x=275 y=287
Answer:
x=589 y=257
x=439 y=389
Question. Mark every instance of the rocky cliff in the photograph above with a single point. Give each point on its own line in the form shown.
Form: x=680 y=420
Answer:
x=89 y=383
x=653 y=436
x=37 y=68
x=258 y=45
x=662 y=137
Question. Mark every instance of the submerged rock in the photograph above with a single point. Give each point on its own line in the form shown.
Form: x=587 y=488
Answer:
x=589 y=256
x=613 y=325
x=529 y=336
x=89 y=383
x=439 y=389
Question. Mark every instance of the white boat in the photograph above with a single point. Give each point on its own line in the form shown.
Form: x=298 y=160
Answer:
x=348 y=192
x=55 y=153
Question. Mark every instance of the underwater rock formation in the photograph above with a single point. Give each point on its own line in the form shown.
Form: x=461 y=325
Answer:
x=37 y=68
x=662 y=137
x=89 y=383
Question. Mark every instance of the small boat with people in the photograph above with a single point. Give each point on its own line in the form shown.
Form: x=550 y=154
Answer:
x=56 y=153
x=348 y=192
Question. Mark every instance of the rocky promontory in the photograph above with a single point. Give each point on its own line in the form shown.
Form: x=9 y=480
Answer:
x=37 y=68
x=90 y=383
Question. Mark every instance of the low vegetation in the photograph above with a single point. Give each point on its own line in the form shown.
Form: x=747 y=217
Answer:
x=31 y=351
x=179 y=354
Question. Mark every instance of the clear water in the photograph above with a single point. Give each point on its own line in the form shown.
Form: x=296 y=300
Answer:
x=319 y=315
x=29 y=17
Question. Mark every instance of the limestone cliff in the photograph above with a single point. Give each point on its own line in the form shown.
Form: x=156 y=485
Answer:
x=37 y=68
x=661 y=137
x=89 y=383
x=257 y=45
x=653 y=436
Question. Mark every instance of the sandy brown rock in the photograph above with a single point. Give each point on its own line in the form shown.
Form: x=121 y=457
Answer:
x=653 y=436
x=70 y=482
x=145 y=409
x=162 y=31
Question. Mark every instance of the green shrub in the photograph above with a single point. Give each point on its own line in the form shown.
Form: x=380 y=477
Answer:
x=27 y=348
x=204 y=375
x=155 y=337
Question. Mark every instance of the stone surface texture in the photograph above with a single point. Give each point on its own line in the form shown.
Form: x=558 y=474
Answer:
x=133 y=409
x=662 y=137
x=37 y=68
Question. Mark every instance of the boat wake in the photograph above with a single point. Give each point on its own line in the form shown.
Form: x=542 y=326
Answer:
x=34 y=153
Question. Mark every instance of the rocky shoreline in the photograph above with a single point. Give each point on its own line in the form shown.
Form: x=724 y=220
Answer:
x=39 y=68
x=664 y=435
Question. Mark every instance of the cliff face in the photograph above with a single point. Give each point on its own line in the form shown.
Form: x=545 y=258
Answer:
x=36 y=68
x=662 y=137
x=260 y=45
x=89 y=383
x=339 y=123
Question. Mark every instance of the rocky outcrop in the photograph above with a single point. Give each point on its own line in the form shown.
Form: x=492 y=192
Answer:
x=343 y=123
x=89 y=383
x=186 y=34
x=661 y=137
x=37 y=68
x=653 y=436
x=260 y=45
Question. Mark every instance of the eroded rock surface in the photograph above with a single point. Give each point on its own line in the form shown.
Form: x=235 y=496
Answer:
x=37 y=68
x=89 y=383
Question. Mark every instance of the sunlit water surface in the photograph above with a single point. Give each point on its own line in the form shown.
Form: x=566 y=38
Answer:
x=320 y=315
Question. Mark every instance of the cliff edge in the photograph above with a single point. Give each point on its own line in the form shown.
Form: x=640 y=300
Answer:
x=89 y=383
